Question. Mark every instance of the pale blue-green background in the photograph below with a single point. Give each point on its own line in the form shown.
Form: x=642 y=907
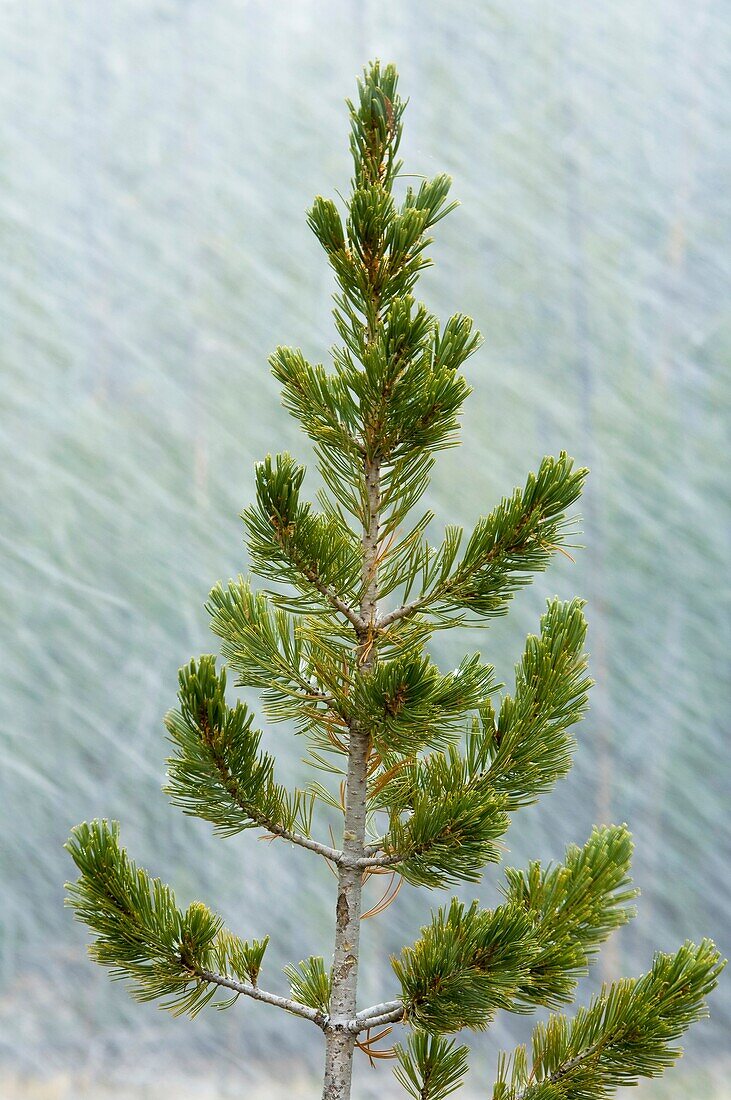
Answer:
x=156 y=160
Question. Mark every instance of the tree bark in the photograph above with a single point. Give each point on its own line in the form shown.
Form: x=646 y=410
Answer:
x=339 y=1038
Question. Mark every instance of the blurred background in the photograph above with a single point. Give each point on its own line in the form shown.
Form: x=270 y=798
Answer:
x=156 y=161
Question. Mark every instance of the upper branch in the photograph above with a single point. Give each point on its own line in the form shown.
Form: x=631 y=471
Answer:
x=289 y=542
x=218 y=772
x=330 y=595
x=301 y=670
x=505 y=548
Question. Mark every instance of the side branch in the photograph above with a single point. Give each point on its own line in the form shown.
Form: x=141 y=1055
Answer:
x=506 y=547
x=248 y=990
x=333 y=599
x=389 y=1012
x=231 y=755
x=332 y=854
x=311 y=575
x=625 y=1033
x=382 y=860
x=405 y=611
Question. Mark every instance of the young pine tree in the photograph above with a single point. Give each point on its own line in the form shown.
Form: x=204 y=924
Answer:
x=426 y=767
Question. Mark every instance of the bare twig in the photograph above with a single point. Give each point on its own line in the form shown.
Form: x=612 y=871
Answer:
x=332 y=854
x=380 y=861
x=390 y=1012
x=249 y=990
x=309 y=572
x=404 y=611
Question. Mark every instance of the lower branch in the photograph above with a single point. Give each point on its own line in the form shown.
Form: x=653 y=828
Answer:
x=390 y=1012
x=389 y=860
x=231 y=786
x=258 y=994
x=334 y=855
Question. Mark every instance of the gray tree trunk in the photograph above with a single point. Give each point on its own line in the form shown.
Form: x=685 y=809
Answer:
x=339 y=1039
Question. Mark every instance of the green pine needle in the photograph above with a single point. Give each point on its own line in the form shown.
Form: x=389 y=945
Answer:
x=430 y=1066
x=468 y=963
x=407 y=705
x=288 y=542
x=218 y=772
x=311 y=984
x=529 y=747
x=142 y=935
x=445 y=820
x=575 y=906
x=626 y=1033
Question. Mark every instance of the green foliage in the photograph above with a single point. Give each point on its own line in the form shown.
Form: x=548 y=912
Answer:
x=574 y=907
x=396 y=392
x=327 y=408
x=626 y=1033
x=528 y=952
x=297 y=669
x=445 y=820
x=310 y=983
x=410 y=380
x=379 y=255
x=218 y=772
x=142 y=935
x=529 y=748
x=504 y=550
x=430 y=1066
x=468 y=963
x=407 y=705
x=241 y=958
x=375 y=126
x=290 y=543
x=447 y=811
